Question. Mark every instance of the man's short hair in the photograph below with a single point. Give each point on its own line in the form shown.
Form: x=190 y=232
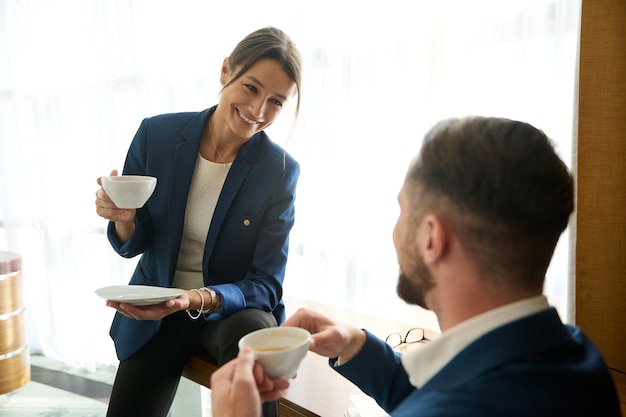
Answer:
x=501 y=187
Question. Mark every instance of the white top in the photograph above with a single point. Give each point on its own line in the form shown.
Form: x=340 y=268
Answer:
x=206 y=186
x=423 y=363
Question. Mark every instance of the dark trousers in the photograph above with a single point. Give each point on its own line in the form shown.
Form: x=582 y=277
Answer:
x=146 y=382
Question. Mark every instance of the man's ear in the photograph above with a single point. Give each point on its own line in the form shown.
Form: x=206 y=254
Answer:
x=433 y=238
x=224 y=71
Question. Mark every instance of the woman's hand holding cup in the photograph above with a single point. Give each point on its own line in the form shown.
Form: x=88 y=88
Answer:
x=105 y=207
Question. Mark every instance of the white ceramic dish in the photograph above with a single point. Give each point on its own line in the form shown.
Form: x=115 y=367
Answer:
x=139 y=295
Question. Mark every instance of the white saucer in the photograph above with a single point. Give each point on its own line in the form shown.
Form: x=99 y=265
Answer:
x=140 y=295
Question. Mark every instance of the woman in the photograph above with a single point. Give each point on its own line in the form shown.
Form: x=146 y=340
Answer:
x=216 y=226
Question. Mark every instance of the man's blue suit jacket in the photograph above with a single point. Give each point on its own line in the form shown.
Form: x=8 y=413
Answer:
x=246 y=247
x=532 y=367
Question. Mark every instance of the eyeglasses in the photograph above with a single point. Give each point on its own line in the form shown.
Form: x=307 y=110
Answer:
x=399 y=343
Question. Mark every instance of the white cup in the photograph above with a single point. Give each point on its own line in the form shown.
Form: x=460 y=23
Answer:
x=129 y=191
x=279 y=350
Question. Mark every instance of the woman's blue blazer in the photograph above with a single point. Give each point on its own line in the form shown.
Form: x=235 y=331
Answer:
x=246 y=247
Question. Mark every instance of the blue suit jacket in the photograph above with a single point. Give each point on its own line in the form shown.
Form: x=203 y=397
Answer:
x=246 y=247
x=533 y=367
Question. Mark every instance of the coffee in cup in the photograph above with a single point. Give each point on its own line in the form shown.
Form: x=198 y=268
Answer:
x=279 y=350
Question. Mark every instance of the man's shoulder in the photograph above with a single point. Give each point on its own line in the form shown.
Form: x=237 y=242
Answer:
x=534 y=363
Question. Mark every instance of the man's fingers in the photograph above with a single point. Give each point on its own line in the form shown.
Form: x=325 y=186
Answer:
x=245 y=363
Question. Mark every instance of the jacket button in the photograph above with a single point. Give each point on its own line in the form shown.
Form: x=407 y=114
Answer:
x=246 y=222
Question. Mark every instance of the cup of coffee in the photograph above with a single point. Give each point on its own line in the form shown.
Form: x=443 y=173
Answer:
x=279 y=350
x=129 y=191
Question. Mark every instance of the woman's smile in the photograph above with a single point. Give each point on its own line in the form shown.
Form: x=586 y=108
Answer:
x=247 y=119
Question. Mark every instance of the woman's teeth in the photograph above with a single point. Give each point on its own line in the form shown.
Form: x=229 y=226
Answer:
x=245 y=118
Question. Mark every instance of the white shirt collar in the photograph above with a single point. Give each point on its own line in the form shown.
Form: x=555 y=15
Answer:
x=424 y=362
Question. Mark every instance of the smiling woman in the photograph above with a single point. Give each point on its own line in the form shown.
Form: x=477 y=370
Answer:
x=212 y=228
x=368 y=95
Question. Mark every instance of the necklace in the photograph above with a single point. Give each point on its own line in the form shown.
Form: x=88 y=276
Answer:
x=218 y=177
x=221 y=159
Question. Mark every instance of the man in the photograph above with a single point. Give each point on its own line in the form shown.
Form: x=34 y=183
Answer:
x=481 y=210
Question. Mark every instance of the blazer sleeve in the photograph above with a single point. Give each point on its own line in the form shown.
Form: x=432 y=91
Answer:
x=378 y=372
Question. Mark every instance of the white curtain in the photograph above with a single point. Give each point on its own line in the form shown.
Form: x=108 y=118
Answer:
x=77 y=77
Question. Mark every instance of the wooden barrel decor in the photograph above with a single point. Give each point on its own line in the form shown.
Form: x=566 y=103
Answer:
x=14 y=355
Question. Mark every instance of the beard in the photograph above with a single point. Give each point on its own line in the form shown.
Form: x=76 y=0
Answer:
x=413 y=288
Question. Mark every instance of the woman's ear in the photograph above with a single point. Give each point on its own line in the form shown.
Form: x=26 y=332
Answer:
x=433 y=238
x=224 y=71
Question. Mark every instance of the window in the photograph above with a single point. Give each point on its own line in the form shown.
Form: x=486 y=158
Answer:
x=75 y=86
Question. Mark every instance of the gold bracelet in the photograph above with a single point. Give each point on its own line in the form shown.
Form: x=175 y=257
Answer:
x=213 y=294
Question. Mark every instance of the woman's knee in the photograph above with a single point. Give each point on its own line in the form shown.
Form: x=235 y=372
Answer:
x=233 y=328
x=250 y=319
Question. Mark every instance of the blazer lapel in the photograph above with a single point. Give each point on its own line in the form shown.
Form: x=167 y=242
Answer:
x=240 y=169
x=185 y=158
